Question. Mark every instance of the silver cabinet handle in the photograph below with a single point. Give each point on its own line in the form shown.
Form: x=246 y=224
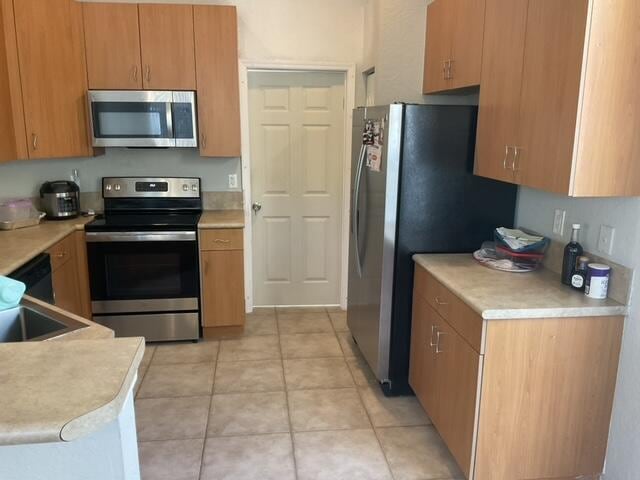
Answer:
x=438 y=335
x=444 y=69
x=135 y=73
x=256 y=207
x=449 y=69
x=34 y=141
x=506 y=156
x=515 y=166
x=440 y=302
x=433 y=331
x=148 y=73
x=203 y=140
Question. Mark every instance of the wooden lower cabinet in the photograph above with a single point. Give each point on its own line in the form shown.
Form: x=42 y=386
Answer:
x=222 y=271
x=70 y=275
x=529 y=399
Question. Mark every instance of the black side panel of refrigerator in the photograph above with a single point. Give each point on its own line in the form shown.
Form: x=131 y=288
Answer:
x=443 y=208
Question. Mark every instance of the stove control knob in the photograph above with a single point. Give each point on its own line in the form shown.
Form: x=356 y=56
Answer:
x=108 y=187
x=194 y=187
x=117 y=187
x=185 y=187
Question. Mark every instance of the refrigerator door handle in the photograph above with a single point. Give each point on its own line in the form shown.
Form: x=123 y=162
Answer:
x=356 y=207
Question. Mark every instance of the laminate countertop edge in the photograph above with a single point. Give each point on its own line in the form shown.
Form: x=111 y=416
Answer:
x=223 y=219
x=498 y=295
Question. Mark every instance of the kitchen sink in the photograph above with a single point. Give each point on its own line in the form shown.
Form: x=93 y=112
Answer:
x=24 y=324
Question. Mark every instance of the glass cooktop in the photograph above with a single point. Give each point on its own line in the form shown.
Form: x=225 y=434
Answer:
x=144 y=222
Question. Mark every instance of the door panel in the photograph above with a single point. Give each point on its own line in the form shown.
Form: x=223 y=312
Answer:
x=216 y=42
x=168 y=47
x=422 y=369
x=502 y=63
x=112 y=38
x=440 y=22
x=364 y=315
x=223 y=288
x=466 y=51
x=54 y=77
x=297 y=138
x=550 y=88
x=457 y=384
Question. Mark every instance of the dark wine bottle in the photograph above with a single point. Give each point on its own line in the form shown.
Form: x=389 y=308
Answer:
x=572 y=252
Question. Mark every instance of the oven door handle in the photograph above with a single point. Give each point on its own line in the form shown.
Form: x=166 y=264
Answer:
x=104 y=237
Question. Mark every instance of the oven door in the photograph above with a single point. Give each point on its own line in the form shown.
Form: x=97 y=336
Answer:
x=131 y=118
x=141 y=272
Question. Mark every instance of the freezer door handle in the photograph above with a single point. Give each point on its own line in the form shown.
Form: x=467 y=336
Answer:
x=355 y=221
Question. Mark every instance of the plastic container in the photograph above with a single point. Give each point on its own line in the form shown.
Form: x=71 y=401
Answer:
x=13 y=210
x=597 y=283
x=11 y=292
x=526 y=260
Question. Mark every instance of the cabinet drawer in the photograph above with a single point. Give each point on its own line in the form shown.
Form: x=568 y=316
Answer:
x=62 y=252
x=459 y=315
x=221 y=239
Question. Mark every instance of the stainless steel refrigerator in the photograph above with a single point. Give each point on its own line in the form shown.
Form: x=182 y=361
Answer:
x=413 y=191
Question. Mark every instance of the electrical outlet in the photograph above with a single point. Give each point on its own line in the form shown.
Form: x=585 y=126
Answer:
x=605 y=241
x=233 y=180
x=558 y=221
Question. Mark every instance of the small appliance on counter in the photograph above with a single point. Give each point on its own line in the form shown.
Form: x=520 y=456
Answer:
x=60 y=199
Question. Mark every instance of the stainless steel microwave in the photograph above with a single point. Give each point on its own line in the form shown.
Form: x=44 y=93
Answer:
x=143 y=118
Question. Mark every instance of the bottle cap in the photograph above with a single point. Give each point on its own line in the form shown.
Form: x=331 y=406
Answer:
x=576 y=226
x=583 y=259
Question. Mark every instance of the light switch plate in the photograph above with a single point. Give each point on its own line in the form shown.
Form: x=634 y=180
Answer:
x=558 y=221
x=605 y=240
x=233 y=181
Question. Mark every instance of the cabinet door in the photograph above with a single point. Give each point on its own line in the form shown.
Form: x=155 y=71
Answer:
x=458 y=383
x=422 y=368
x=550 y=90
x=466 y=50
x=437 y=45
x=216 y=44
x=54 y=77
x=112 y=40
x=66 y=288
x=13 y=139
x=500 y=86
x=166 y=37
x=222 y=288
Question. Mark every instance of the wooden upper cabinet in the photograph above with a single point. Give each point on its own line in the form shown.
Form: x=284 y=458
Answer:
x=559 y=95
x=453 y=50
x=53 y=75
x=112 y=38
x=438 y=45
x=166 y=36
x=466 y=49
x=550 y=89
x=499 y=105
x=13 y=139
x=216 y=45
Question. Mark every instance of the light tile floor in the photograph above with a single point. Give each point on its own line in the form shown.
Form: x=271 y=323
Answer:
x=291 y=399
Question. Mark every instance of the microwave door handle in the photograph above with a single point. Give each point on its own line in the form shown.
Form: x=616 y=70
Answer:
x=170 y=121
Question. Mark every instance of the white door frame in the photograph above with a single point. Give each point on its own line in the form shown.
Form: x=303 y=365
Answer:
x=349 y=70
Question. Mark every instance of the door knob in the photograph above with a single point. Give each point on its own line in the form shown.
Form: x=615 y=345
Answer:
x=256 y=207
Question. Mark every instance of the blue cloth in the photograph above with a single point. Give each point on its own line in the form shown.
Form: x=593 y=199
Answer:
x=11 y=292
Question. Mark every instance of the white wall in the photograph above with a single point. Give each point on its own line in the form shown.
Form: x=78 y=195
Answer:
x=295 y=31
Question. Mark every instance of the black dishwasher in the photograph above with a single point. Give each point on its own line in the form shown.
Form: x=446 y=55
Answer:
x=36 y=275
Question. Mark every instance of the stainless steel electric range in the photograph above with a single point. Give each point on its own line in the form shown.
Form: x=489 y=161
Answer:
x=143 y=258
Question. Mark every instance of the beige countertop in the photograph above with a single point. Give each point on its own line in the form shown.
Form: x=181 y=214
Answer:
x=222 y=219
x=19 y=246
x=65 y=387
x=501 y=295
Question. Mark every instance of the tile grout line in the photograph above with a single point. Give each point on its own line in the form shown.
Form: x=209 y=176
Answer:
x=373 y=427
x=206 y=427
x=286 y=399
